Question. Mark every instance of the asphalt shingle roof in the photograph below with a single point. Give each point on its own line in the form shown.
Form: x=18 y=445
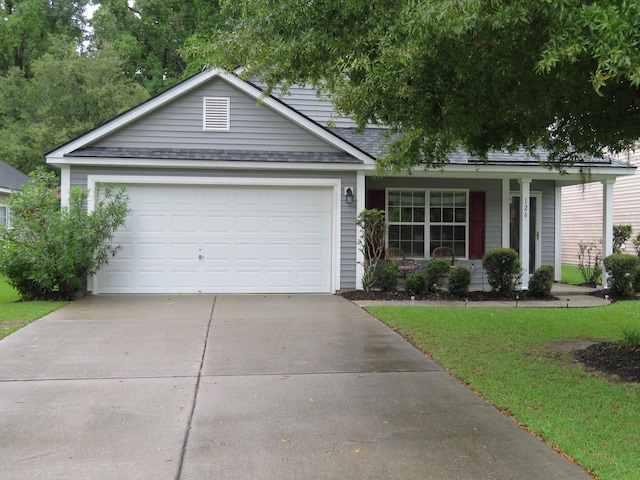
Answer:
x=10 y=178
x=217 y=155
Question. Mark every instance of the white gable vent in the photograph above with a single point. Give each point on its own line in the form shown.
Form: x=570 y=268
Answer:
x=216 y=114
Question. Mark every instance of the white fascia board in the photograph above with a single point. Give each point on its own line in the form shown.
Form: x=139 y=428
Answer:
x=194 y=82
x=6 y=190
x=204 y=164
x=521 y=171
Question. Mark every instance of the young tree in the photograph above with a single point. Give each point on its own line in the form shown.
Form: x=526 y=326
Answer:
x=561 y=75
x=49 y=250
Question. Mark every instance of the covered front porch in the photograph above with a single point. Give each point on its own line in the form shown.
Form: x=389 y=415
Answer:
x=472 y=208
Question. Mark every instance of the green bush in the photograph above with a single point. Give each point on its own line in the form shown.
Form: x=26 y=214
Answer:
x=389 y=278
x=436 y=269
x=502 y=266
x=622 y=270
x=459 y=281
x=630 y=340
x=621 y=233
x=590 y=261
x=416 y=284
x=541 y=281
x=51 y=250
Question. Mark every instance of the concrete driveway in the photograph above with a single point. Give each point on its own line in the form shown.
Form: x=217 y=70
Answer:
x=243 y=387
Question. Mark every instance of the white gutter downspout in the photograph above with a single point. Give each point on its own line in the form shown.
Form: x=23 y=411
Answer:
x=65 y=185
x=557 y=267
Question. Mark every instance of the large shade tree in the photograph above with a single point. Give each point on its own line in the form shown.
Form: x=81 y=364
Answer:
x=150 y=35
x=68 y=93
x=558 y=75
x=26 y=27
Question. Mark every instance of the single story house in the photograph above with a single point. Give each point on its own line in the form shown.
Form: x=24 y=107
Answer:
x=582 y=210
x=235 y=193
x=10 y=180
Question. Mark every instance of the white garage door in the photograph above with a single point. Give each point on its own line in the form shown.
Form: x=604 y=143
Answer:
x=223 y=239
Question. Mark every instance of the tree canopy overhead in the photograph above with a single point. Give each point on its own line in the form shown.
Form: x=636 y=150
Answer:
x=561 y=75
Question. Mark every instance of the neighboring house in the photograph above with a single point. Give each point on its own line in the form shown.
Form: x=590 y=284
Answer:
x=231 y=193
x=10 y=180
x=582 y=210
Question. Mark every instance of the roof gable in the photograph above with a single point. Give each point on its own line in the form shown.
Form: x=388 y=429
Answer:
x=173 y=120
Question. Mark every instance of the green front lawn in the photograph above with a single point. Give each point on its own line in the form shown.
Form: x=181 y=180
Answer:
x=15 y=314
x=518 y=359
x=571 y=275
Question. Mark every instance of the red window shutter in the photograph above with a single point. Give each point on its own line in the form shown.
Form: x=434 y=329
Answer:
x=477 y=224
x=375 y=199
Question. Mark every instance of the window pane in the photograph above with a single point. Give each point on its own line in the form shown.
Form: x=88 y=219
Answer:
x=394 y=234
x=418 y=214
x=394 y=199
x=418 y=199
x=447 y=215
x=406 y=214
x=393 y=214
x=461 y=215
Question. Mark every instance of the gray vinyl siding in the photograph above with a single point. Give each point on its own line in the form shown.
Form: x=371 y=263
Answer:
x=348 y=212
x=305 y=101
x=582 y=217
x=178 y=124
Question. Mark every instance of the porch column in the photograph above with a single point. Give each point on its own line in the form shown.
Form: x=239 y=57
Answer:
x=65 y=185
x=360 y=204
x=607 y=224
x=506 y=219
x=525 y=201
x=557 y=267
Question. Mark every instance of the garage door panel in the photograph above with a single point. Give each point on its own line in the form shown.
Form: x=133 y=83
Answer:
x=223 y=239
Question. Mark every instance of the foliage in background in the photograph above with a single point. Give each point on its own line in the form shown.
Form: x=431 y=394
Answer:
x=502 y=267
x=621 y=233
x=371 y=243
x=389 y=278
x=519 y=360
x=29 y=25
x=459 y=281
x=636 y=244
x=621 y=268
x=479 y=76
x=541 y=281
x=150 y=35
x=68 y=93
x=590 y=261
x=49 y=251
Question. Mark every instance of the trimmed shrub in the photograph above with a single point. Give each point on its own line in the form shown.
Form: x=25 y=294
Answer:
x=636 y=281
x=622 y=270
x=502 y=266
x=459 y=281
x=541 y=281
x=389 y=278
x=436 y=269
x=50 y=250
x=416 y=284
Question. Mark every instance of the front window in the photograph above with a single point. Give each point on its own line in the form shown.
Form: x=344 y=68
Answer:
x=419 y=234
x=4 y=216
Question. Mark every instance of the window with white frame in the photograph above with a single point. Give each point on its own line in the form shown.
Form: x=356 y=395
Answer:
x=4 y=216
x=421 y=220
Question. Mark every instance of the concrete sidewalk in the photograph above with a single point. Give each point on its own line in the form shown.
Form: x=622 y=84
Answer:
x=568 y=296
x=244 y=387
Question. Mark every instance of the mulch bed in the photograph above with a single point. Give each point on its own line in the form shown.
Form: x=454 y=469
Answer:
x=606 y=357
